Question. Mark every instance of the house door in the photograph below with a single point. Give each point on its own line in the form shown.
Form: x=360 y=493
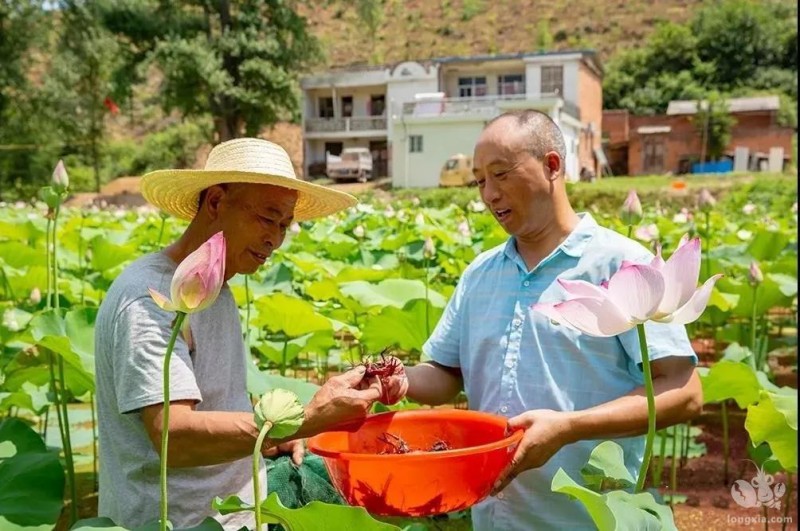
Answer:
x=380 y=157
x=653 y=152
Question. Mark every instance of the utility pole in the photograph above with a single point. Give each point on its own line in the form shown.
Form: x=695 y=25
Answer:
x=704 y=106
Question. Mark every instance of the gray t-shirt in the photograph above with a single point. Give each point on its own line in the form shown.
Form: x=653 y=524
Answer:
x=131 y=337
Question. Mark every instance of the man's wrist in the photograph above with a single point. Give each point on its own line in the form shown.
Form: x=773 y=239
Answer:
x=575 y=427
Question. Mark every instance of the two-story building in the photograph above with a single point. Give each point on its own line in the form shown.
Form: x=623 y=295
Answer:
x=415 y=114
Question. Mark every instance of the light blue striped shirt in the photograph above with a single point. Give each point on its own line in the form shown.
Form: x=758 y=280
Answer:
x=514 y=359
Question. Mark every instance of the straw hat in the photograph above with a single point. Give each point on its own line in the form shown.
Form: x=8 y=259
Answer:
x=242 y=160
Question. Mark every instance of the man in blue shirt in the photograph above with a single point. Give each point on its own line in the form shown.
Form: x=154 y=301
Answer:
x=569 y=391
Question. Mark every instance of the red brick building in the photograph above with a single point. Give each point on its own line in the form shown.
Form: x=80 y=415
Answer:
x=671 y=143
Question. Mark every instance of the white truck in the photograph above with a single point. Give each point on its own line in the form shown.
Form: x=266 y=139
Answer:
x=354 y=163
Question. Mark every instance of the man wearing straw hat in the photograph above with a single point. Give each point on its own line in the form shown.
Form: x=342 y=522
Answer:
x=249 y=191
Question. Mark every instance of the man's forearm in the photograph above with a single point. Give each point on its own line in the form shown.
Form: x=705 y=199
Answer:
x=203 y=438
x=433 y=384
x=678 y=399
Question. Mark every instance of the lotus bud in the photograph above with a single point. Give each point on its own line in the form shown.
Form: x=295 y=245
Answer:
x=429 y=249
x=419 y=219
x=197 y=280
x=281 y=409
x=755 y=275
x=294 y=228
x=631 y=213
x=463 y=229
x=706 y=201
x=744 y=235
x=389 y=212
x=60 y=177
x=794 y=208
x=415 y=201
x=359 y=231
x=647 y=233
x=748 y=209
x=36 y=296
x=477 y=206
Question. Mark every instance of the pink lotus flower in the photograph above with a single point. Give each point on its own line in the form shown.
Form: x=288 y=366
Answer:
x=60 y=176
x=661 y=291
x=755 y=276
x=631 y=213
x=197 y=280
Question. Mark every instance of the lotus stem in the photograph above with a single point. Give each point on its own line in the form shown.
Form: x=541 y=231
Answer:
x=673 y=479
x=651 y=409
x=165 y=420
x=256 y=476
x=753 y=319
x=94 y=441
x=788 y=501
x=725 y=441
x=62 y=387
x=707 y=243
x=630 y=230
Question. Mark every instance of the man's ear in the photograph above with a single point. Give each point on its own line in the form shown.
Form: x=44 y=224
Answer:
x=552 y=165
x=213 y=200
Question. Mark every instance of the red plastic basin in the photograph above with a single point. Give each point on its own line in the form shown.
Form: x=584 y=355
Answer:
x=424 y=483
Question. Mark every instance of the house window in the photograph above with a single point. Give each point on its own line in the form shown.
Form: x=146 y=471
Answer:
x=326 y=107
x=347 y=106
x=415 y=144
x=511 y=84
x=377 y=105
x=552 y=80
x=471 y=87
x=334 y=148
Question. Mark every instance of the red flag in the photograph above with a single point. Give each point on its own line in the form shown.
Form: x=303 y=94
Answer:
x=110 y=105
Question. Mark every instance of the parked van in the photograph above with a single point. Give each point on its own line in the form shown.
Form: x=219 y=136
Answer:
x=457 y=171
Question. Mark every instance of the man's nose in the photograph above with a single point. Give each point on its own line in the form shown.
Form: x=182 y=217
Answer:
x=490 y=192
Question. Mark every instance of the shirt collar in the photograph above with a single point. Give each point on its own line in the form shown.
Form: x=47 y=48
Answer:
x=574 y=245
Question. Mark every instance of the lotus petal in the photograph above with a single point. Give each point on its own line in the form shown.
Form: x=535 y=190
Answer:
x=681 y=273
x=163 y=302
x=592 y=316
x=637 y=290
x=695 y=307
x=581 y=288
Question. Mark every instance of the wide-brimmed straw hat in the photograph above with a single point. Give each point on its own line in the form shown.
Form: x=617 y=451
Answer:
x=242 y=160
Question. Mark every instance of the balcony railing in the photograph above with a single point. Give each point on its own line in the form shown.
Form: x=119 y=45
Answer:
x=489 y=105
x=340 y=125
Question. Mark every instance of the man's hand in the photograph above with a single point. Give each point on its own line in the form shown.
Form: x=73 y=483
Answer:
x=391 y=379
x=295 y=448
x=343 y=402
x=546 y=432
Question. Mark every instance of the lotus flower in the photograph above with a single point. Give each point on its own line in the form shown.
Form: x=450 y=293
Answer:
x=660 y=291
x=197 y=280
x=748 y=209
x=706 y=201
x=359 y=231
x=429 y=248
x=631 y=213
x=60 y=177
x=647 y=233
x=282 y=410
x=755 y=275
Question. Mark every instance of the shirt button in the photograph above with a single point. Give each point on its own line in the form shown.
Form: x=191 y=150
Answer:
x=526 y=283
x=510 y=363
x=500 y=496
x=516 y=323
x=504 y=409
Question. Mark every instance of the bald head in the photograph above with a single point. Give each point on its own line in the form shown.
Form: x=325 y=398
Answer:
x=535 y=131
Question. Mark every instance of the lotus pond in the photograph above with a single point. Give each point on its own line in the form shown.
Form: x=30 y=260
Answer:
x=379 y=276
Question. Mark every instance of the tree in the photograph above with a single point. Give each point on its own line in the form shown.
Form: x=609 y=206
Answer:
x=21 y=164
x=739 y=36
x=80 y=79
x=237 y=61
x=714 y=124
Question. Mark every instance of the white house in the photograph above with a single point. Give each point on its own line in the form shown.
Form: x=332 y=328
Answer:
x=415 y=114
